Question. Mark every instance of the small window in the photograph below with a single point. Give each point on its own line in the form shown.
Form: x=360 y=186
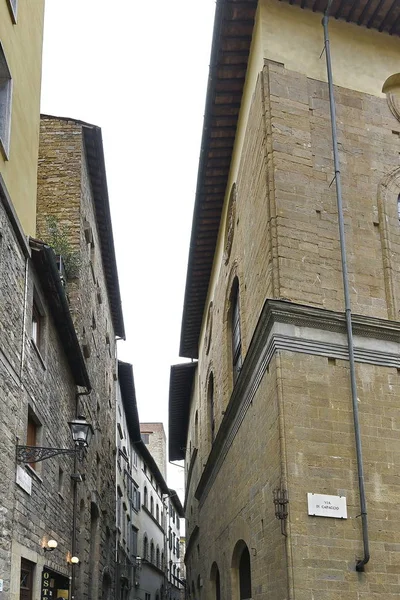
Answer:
x=145 y=548
x=145 y=497
x=37 y=325
x=60 y=481
x=157 y=513
x=151 y=505
x=236 y=332
x=152 y=553
x=134 y=536
x=211 y=408
x=32 y=435
x=145 y=438
x=5 y=104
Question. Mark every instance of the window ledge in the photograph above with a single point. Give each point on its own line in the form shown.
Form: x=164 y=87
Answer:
x=33 y=473
x=38 y=353
x=146 y=510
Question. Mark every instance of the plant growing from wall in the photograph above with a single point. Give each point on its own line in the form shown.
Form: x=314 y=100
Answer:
x=57 y=237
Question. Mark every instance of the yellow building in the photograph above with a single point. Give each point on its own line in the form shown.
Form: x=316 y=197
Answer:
x=292 y=405
x=21 y=40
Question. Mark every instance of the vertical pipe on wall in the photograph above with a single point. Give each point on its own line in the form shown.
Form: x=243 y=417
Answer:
x=360 y=468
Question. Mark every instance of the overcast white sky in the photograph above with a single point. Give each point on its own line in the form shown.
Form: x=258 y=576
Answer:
x=139 y=71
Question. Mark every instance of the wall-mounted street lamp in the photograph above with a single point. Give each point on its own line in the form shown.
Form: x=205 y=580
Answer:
x=82 y=433
x=72 y=560
x=50 y=545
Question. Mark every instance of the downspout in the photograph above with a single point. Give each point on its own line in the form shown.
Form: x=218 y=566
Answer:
x=360 y=468
x=75 y=500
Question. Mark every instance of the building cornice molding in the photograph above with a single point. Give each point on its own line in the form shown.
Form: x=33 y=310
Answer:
x=284 y=326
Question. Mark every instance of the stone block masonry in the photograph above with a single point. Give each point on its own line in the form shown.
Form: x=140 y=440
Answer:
x=297 y=429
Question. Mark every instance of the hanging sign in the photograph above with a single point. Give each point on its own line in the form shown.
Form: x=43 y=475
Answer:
x=322 y=505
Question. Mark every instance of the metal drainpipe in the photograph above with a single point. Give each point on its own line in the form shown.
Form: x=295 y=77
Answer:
x=360 y=468
x=75 y=502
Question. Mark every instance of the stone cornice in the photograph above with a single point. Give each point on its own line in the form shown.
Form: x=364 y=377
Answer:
x=297 y=328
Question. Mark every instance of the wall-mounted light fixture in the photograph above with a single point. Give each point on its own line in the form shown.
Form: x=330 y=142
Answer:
x=50 y=545
x=82 y=433
x=72 y=560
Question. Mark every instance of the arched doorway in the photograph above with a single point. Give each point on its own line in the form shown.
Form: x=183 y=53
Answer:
x=106 y=587
x=241 y=572
x=215 y=582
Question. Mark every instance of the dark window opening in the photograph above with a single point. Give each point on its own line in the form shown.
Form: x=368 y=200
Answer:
x=236 y=333
x=245 y=575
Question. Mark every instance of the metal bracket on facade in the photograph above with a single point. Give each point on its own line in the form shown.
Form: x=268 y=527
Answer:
x=34 y=454
x=281 y=501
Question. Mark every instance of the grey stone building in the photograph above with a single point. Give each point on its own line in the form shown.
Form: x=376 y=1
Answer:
x=74 y=217
x=148 y=512
x=60 y=315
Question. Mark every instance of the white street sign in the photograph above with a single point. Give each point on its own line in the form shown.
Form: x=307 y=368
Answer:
x=322 y=505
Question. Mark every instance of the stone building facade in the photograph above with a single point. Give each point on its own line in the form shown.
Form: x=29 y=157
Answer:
x=140 y=510
x=153 y=435
x=74 y=218
x=265 y=416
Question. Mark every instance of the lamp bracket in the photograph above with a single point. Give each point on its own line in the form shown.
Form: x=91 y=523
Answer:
x=34 y=454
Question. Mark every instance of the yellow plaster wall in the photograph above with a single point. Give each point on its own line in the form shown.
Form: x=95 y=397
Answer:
x=22 y=44
x=362 y=60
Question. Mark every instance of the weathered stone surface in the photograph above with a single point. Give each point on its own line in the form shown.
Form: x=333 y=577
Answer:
x=298 y=430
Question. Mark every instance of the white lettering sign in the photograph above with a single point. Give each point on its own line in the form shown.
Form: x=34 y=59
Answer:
x=24 y=480
x=322 y=505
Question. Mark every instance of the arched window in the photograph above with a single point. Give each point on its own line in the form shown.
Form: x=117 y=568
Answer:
x=157 y=513
x=158 y=557
x=145 y=497
x=211 y=407
x=245 y=575
x=170 y=570
x=178 y=572
x=235 y=331
x=241 y=568
x=162 y=561
x=145 y=547
x=216 y=584
x=151 y=505
x=196 y=429
x=152 y=553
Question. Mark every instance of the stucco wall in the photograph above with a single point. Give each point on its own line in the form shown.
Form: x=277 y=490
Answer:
x=22 y=44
